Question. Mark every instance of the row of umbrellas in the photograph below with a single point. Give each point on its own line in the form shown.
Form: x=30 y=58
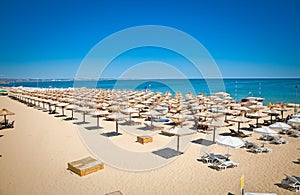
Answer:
x=130 y=102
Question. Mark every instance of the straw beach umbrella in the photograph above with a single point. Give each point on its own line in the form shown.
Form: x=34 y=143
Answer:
x=62 y=105
x=179 y=131
x=215 y=123
x=99 y=113
x=257 y=115
x=271 y=113
x=72 y=107
x=4 y=112
x=129 y=111
x=239 y=120
x=281 y=109
x=84 y=111
x=152 y=113
x=116 y=116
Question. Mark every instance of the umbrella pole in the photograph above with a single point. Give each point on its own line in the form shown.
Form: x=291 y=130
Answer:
x=151 y=121
x=256 y=122
x=214 y=135
x=72 y=115
x=117 y=127
x=5 y=121
x=227 y=152
x=239 y=124
x=97 y=121
x=178 y=145
x=84 y=117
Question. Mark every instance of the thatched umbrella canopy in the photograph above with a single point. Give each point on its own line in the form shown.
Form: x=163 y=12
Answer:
x=4 y=112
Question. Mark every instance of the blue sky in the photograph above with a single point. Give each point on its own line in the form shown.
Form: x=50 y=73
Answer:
x=49 y=39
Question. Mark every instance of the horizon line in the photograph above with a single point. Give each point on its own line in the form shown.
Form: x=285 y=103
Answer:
x=107 y=78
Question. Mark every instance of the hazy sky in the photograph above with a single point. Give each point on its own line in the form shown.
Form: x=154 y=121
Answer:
x=49 y=39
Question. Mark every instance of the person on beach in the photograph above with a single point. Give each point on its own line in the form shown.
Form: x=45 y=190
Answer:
x=50 y=109
x=287 y=118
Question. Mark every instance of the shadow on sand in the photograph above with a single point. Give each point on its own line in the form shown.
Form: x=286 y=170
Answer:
x=93 y=128
x=111 y=134
x=204 y=142
x=167 y=153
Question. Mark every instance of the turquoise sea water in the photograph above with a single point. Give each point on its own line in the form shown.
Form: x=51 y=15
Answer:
x=273 y=90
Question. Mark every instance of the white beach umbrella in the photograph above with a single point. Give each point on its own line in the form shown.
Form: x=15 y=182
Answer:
x=294 y=121
x=279 y=125
x=296 y=116
x=264 y=130
x=230 y=142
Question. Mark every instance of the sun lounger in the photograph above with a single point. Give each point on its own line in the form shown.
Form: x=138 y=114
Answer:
x=238 y=133
x=284 y=131
x=266 y=137
x=248 y=144
x=154 y=126
x=267 y=122
x=10 y=125
x=278 y=140
x=207 y=158
x=233 y=132
x=243 y=135
x=52 y=112
x=222 y=165
x=259 y=149
x=291 y=183
x=132 y=122
x=251 y=127
x=165 y=120
x=294 y=133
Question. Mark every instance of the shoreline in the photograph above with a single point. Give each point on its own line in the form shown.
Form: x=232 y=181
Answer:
x=273 y=90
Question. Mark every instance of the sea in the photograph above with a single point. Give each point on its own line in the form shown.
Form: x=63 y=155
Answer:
x=273 y=90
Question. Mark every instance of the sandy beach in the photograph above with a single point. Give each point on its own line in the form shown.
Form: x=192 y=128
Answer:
x=35 y=153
